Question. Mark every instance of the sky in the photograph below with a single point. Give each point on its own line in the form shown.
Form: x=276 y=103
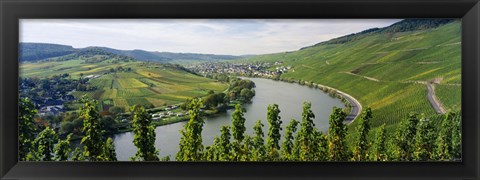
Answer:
x=207 y=36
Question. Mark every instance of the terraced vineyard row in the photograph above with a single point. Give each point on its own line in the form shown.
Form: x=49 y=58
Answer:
x=449 y=95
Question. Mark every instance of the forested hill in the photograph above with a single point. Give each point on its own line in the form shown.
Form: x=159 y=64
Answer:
x=385 y=68
x=40 y=51
x=93 y=55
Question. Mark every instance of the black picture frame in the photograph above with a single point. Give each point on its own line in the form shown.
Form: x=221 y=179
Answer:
x=13 y=10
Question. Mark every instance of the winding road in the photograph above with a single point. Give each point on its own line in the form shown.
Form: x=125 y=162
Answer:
x=356 y=106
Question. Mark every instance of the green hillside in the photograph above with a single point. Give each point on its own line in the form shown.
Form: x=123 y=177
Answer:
x=386 y=68
x=124 y=82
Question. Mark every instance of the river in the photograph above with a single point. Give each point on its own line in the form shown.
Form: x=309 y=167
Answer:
x=289 y=97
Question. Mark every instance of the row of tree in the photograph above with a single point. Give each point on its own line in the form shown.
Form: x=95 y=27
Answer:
x=416 y=138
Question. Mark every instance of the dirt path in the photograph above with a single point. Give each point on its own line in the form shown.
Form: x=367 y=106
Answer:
x=432 y=98
x=366 y=77
x=309 y=67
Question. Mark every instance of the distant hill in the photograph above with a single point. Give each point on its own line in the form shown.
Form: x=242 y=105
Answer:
x=401 y=26
x=41 y=51
x=169 y=56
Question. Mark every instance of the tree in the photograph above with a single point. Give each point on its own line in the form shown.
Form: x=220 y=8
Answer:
x=247 y=93
x=456 y=120
x=360 y=152
x=210 y=152
x=424 y=140
x=447 y=143
x=77 y=155
x=305 y=140
x=26 y=127
x=191 y=141
x=238 y=129
x=109 y=153
x=62 y=149
x=93 y=134
x=337 y=132
x=107 y=123
x=273 y=137
x=258 y=144
x=45 y=142
x=144 y=135
x=443 y=143
x=287 y=145
x=223 y=146
x=320 y=146
x=238 y=123
x=379 y=148
x=404 y=137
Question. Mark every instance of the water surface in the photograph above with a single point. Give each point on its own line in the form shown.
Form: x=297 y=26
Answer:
x=288 y=96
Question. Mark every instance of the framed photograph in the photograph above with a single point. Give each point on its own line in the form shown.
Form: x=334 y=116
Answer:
x=252 y=89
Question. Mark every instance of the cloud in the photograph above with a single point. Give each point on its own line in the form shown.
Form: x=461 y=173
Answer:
x=214 y=36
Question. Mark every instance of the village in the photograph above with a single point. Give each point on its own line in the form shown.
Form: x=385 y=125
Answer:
x=263 y=69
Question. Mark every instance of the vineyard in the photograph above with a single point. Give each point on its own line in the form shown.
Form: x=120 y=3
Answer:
x=384 y=71
x=449 y=95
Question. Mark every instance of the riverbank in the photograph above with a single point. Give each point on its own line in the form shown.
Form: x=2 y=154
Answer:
x=356 y=107
x=353 y=104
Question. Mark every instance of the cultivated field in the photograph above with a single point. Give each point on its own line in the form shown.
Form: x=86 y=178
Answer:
x=149 y=84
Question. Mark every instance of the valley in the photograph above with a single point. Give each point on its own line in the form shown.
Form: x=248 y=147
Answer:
x=377 y=83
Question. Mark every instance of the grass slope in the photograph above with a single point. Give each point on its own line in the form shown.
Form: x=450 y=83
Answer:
x=147 y=84
x=383 y=70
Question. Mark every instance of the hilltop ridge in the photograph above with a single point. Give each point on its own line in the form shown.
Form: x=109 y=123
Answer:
x=32 y=52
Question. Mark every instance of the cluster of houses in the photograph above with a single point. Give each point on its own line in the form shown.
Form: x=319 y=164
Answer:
x=52 y=106
x=283 y=69
x=257 y=69
x=159 y=116
x=168 y=113
x=51 y=110
x=92 y=76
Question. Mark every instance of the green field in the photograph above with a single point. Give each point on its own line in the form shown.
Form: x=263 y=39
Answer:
x=384 y=70
x=148 y=84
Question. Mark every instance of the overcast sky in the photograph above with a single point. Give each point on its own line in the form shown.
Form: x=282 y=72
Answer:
x=212 y=36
